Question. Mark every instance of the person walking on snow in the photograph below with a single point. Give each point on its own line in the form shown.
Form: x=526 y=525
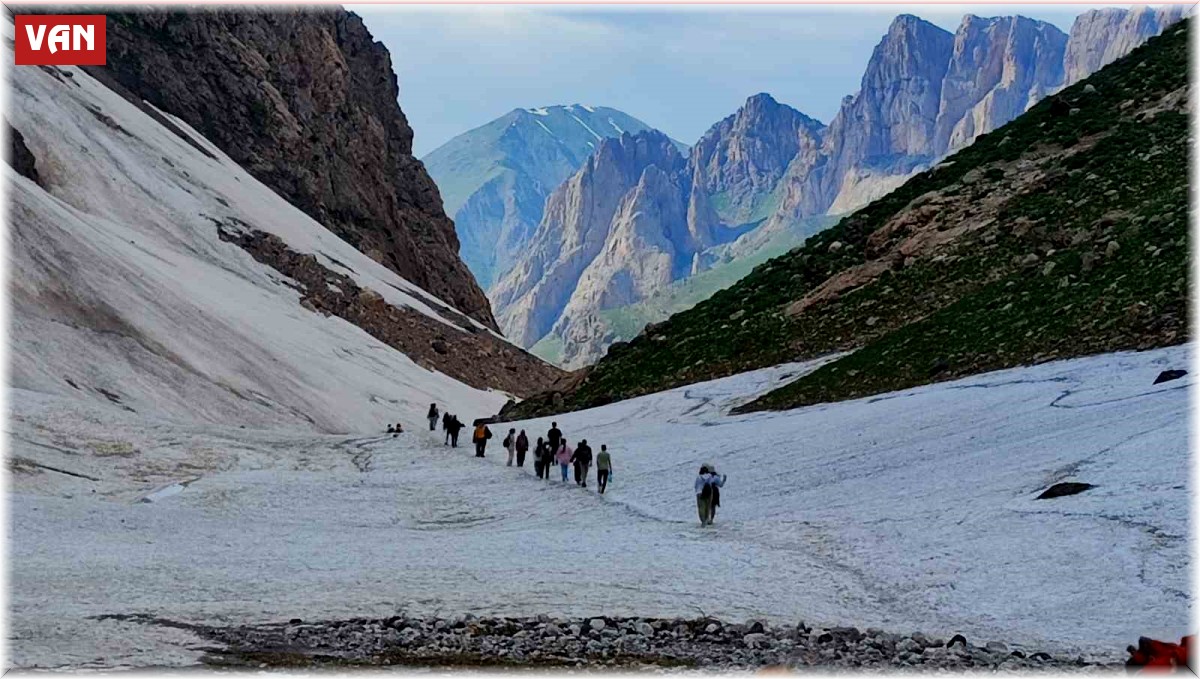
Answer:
x=603 y=468
x=446 y=419
x=433 y=416
x=482 y=434
x=583 y=460
x=510 y=444
x=554 y=436
x=708 y=494
x=522 y=448
x=455 y=427
x=563 y=457
x=540 y=462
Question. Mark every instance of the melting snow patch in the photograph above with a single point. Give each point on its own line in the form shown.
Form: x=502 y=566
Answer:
x=539 y=111
x=587 y=108
x=544 y=127
x=616 y=126
x=168 y=491
x=585 y=126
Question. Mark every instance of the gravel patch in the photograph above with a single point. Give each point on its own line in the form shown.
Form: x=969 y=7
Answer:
x=599 y=642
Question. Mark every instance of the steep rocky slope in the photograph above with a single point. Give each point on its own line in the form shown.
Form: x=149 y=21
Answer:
x=306 y=101
x=1063 y=233
x=495 y=179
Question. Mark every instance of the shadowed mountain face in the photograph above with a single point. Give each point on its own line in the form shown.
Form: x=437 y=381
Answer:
x=307 y=102
x=495 y=179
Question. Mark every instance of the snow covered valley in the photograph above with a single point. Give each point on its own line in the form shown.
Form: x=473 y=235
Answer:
x=911 y=511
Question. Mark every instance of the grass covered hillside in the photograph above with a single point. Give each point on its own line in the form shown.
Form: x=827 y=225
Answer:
x=1063 y=233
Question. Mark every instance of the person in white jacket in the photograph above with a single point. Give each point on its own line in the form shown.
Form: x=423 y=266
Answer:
x=708 y=495
x=510 y=444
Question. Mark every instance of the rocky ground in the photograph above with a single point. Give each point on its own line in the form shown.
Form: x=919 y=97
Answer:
x=628 y=643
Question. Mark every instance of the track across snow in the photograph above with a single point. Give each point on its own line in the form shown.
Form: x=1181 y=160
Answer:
x=910 y=511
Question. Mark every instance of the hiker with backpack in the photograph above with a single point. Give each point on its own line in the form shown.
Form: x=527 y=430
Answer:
x=510 y=444
x=554 y=437
x=433 y=416
x=480 y=438
x=582 y=460
x=522 y=448
x=708 y=493
x=603 y=468
x=540 y=463
x=563 y=457
x=454 y=427
x=446 y=419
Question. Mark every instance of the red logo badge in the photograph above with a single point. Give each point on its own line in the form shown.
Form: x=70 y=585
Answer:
x=60 y=40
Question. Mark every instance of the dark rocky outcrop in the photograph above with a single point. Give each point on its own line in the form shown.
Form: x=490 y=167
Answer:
x=306 y=101
x=1168 y=375
x=1064 y=489
x=472 y=356
x=19 y=156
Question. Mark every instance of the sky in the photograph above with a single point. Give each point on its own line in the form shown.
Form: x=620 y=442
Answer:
x=678 y=69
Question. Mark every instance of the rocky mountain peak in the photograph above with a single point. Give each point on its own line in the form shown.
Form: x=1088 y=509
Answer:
x=740 y=160
x=631 y=154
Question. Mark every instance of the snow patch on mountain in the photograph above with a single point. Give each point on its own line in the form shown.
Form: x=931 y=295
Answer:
x=585 y=126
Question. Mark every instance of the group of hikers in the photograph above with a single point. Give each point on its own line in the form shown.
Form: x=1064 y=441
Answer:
x=553 y=450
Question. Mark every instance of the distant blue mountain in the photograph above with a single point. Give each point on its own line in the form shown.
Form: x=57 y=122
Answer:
x=494 y=179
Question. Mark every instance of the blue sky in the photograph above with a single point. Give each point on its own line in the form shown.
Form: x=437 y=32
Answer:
x=678 y=69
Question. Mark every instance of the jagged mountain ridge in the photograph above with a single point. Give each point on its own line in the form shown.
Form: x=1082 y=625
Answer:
x=1062 y=233
x=306 y=101
x=925 y=93
x=495 y=179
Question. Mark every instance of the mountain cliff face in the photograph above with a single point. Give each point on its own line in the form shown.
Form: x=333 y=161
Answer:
x=495 y=179
x=1061 y=234
x=1100 y=36
x=999 y=68
x=573 y=232
x=306 y=101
